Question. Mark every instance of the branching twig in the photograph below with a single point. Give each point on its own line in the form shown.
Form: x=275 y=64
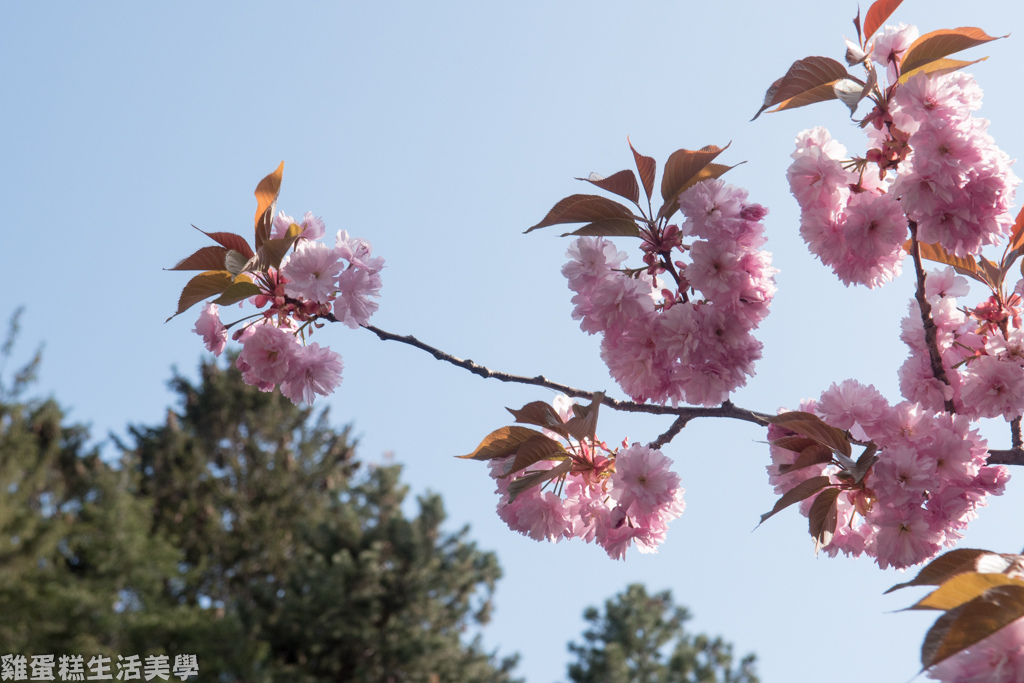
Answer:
x=930 y=331
x=727 y=409
x=670 y=433
x=1013 y=456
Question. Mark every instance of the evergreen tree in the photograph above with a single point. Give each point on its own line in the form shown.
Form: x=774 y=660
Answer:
x=641 y=638
x=241 y=531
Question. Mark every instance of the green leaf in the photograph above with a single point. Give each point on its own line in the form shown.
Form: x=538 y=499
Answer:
x=266 y=200
x=939 y=66
x=804 y=489
x=622 y=183
x=235 y=261
x=938 y=44
x=500 y=442
x=609 y=227
x=684 y=169
x=272 y=252
x=813 y=427
x=240 y=290
x=528 y=481
x=962 y=588
x=959 y=628
x=583 y=208
x=822 y=518
x=879 y=11
x=808 y=80
x=946 y=566
x=207 y=258
x=201 y=287
x=533 y=450
x=646 y=167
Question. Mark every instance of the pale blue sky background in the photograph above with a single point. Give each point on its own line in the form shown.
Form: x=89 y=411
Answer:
x=440 y=131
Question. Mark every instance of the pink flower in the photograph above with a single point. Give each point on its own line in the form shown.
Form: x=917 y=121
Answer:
x=314 y=370
x=266 y=356
x=312 y=227
x=356 y=287
x=644 y=485
x=311 y=271
x=210 y=328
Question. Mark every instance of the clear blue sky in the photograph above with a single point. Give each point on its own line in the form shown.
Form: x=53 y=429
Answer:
x=439 y=132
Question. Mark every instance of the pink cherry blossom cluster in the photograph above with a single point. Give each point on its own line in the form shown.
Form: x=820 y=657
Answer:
x=996 y=659
x=982 y=352
x=614 y=498
x=848 y=220
x=930 y=477
x=950 y=178
x=314 y=282
x=692 y=343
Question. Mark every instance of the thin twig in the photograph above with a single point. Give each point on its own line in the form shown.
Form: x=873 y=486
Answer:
x=670 y=433
x=727 y=409
x=930 y=330
x=1015 y=437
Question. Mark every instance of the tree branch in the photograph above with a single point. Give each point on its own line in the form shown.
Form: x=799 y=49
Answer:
x=670 y=433
x=1015 y=433
x=930 y=331
x=687 y=413
x=1013 y=456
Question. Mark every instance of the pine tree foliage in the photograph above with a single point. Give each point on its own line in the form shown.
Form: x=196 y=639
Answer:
x=243 y=531
x=640 y=638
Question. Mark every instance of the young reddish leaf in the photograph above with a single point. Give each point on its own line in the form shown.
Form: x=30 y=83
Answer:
x=541 y=414
x=879 y=11
x=959 y=628
x=583 y=208
x=938 y=44
x=793 y=443
x=961 y=589
x=622 y=183
x=609 y=227
x=946 y=566
x=965 y=265
x=500 y=442
x=823 y=518
x=813 y=427
x=1017 y=235
x=528 y=481
x=241 y=289
x=536 y=448
x=808 y=80
x=646 y=167
x=804 y=489
x=815 y=454
x=851 y=91
x=856 y=23
x=583 y=423
x=938 y=67
x=201 y=287
x=266 y=200
x=230 y=240
x=683 y=165
x=207 y=258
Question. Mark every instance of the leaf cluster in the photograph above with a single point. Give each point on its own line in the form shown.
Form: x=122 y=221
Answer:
x=979 y=592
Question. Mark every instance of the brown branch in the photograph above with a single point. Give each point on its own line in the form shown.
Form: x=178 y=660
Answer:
x=687 y=413
x=670 y=433
x=1015 y=433
x=930 y=330
x=1013 y=456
